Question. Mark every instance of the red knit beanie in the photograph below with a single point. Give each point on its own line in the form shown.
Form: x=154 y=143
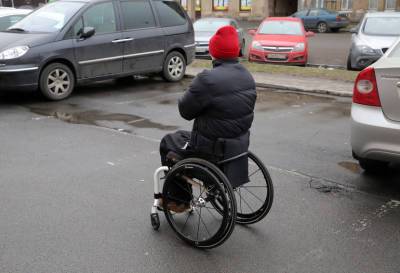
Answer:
x=225 y=43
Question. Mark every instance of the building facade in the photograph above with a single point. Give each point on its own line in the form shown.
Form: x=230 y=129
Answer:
x=259 y=9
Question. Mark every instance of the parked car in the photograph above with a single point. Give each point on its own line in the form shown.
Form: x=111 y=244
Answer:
x=322 y=20
x=69 y=42
x=375 y=113
x=375 y=34
x=280 y=40
x=9 y=16
x=205 y=28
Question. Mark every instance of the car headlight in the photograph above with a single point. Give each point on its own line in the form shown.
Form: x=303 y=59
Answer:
x=13 y=53
x=257 y=45
x=366 y=50
x=300 y=47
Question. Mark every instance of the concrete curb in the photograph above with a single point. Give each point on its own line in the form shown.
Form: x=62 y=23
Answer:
x=295 y=89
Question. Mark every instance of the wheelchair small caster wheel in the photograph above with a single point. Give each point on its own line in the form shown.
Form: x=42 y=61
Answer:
x=155 y=221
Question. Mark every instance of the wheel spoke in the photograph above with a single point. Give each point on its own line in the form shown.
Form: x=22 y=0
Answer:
x=201 y=219
x=198 y=226
x=253 y=173
x=255 y=195
x=246 y=202
x=187 y=218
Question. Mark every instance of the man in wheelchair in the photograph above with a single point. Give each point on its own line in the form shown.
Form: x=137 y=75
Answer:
x=221 y=101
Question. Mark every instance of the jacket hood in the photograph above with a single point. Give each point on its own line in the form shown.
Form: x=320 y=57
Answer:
x=10 y=39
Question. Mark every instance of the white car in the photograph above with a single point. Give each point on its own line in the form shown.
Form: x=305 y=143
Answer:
x=375 y=113
x=9 y=16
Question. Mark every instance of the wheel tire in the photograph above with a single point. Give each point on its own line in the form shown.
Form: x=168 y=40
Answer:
x=373 y=166
x=349 y=66
x=322 y=27
x=242 y=49
x=227 y=227
x=261 y=213
x=57 y=81
x=174 y=67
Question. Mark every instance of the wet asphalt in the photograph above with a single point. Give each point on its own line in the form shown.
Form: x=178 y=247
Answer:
x=76 y=187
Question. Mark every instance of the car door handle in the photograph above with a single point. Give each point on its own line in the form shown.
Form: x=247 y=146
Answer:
x=122 y=40
x=398 y=84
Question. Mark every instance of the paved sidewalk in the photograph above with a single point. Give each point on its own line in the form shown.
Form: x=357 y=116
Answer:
x=295 y=83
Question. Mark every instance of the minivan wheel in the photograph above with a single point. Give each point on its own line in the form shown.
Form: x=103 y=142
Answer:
x=57 y=81
x=174 y=67
x=373 y=166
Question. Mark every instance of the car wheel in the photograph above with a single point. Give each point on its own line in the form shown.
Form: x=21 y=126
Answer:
x=242 y=49
x=174 y=67
x=373 y=166
x=322 y=27
x=349 y=67
x=56 y=81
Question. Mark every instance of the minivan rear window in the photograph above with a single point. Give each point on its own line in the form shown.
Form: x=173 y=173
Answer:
x=137 y=14
x=50 y=18
x=171 y=14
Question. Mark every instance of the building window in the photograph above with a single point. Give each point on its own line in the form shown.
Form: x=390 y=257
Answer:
x=319 y=4
x=245 y=5
x=184 y=4
x=220 y=5
x=198 y=5
x=390 y=5
x=347 y=4
x=373 y=4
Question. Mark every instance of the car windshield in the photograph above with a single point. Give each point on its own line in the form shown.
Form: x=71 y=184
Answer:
x=281 y=27
x=209 y=25
x=50 y=18
x=384 y=26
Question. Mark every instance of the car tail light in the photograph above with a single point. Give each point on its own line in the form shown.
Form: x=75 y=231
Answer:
x=366 y=89
x=339 y=18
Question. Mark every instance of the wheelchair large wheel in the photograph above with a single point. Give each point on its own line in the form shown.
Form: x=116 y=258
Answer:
x=254 y=199
x=191 y=185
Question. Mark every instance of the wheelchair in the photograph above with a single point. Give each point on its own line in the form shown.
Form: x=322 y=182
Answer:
x=212 y=206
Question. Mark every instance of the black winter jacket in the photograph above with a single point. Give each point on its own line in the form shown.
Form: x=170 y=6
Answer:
x=221 y=101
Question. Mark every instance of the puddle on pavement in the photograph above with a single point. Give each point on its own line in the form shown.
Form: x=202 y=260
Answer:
x=121 y=122
x=350 y=166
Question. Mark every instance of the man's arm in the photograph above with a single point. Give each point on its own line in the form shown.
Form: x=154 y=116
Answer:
x=195 y=99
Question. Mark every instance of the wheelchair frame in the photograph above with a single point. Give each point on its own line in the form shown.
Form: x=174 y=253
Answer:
x=241 y=218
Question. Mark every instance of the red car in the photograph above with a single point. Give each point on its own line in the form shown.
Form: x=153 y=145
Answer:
x=280 y=40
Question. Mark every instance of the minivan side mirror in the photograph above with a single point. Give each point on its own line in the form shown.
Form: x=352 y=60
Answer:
x=252 y=32
x=86 y=32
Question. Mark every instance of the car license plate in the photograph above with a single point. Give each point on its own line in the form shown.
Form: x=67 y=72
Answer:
x=277 y=56
x=201 y=49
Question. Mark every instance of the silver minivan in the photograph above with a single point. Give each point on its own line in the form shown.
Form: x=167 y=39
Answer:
x=372 y=38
